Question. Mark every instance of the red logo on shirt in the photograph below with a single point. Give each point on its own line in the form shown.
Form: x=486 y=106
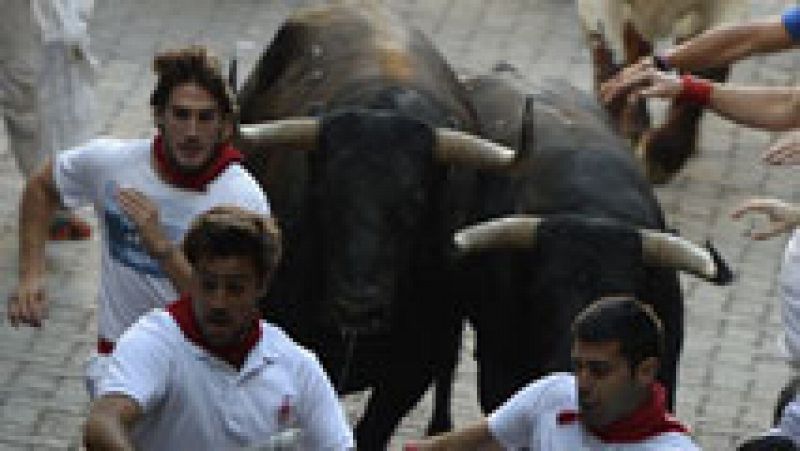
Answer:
x=286 y=410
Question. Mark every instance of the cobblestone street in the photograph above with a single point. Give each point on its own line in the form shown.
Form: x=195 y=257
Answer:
x=731 y=369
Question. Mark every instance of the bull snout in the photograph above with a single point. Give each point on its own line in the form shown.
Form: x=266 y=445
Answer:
x=360 y=306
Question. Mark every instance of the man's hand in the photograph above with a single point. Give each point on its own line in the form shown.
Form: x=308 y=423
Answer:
x=783 y=216
x=144 y=214
x=785 y=151
x=648 y=82
x=472 y=437
x=27 y=304
x=625 y=81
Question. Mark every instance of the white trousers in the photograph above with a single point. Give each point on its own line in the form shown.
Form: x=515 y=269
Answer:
x=20 y=65
x=45 y=108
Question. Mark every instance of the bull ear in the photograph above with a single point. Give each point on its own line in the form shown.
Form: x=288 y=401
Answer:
x=299 y=133
x=453 y=146
x=516 y=232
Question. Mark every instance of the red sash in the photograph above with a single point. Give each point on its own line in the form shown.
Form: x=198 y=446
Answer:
x=648 y=420
x=226 y=155
x=183 y=314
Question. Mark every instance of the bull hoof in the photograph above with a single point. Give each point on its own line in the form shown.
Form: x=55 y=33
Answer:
x=662 y=155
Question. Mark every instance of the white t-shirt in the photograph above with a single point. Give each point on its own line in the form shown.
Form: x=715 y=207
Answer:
x=193 y=400
x=789 y=288
x=529 y=420
x=789 y=424
x=131 y=282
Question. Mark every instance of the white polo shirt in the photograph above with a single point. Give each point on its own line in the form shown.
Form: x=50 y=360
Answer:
x=529 y=420
x=193 y=400
x=789 y=289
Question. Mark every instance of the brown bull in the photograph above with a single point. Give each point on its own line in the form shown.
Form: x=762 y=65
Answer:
x=620 y=32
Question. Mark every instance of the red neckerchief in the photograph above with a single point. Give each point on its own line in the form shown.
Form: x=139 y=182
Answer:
x=648 y=420
x=183 y=314
x=226 y=154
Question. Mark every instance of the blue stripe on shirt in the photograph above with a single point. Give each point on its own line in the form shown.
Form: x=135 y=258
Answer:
x=791 y=20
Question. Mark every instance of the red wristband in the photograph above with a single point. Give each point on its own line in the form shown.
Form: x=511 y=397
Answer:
x=695 y=90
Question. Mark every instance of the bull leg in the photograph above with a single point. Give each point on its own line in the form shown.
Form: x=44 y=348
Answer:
x=391 y=398
x=604 y=68
x=442 y=418
x=634 y=119
x=665 y=149
x=499 y=380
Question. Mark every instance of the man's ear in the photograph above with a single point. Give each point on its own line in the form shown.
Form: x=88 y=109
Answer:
x=158 y=121
x=227 y=130
x=647 y=370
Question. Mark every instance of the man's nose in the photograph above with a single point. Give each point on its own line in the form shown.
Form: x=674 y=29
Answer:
x=216 y=298
x=582 y=377
x=192 y=126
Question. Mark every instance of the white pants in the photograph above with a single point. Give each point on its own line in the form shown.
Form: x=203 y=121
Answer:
x=20 y=65
x=46 y=108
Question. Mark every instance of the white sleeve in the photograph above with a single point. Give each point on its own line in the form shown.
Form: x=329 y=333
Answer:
x=139 y=366
x=321 y=415
x=513 y=423
x=789 y=423
x=75 y=171
x=257 y=200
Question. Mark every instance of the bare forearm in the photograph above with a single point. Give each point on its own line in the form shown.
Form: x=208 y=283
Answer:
x=771 y=108
x=721 y=46
x=104 y=433
x=37 y=208
x=475 y=437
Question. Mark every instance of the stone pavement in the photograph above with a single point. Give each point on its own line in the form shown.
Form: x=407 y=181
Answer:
x=731 y=369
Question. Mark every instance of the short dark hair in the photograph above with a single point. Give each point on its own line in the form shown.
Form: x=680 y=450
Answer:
x=193 y=64
x=231 y=231
x=626 y=320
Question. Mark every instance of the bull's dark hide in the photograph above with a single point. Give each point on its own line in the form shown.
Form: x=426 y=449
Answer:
x=365 y=254
x=371 y=179
x=576 y=171
x=366 y=216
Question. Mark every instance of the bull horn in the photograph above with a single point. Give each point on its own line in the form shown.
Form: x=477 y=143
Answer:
x=299 y=132
x=666 y=250
x=516 y=232
x=658 y=248
x=453 y=146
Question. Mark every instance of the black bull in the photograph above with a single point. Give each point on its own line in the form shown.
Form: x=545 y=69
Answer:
x=368 y=214
x=574 y=171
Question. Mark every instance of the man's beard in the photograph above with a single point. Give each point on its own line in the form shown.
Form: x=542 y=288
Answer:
x=169 y=153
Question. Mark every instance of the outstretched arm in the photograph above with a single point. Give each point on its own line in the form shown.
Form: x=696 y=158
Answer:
x=474 y=437
x=716 y=47
x=27 y=304
x=721 y=46
x=771 y=108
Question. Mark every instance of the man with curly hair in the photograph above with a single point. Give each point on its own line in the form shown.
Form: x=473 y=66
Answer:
x=205 y=373
x=145 y=193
